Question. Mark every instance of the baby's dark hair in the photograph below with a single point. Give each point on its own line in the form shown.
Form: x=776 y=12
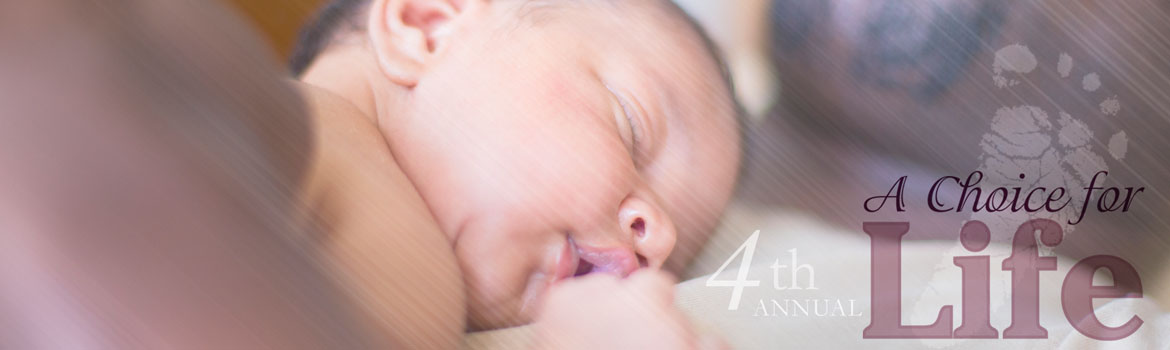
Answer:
x=337 y=16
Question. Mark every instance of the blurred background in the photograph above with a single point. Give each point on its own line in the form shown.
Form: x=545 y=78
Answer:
x=278 y=20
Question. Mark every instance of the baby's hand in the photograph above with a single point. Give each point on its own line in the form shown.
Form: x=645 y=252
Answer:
x=600 y=311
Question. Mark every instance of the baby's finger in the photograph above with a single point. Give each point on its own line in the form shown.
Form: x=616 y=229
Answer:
x=582 y=288
x=652 y=282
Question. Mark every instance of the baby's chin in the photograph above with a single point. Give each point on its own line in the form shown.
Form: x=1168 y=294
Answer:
x=486 y=320
x=507 y=290
x=494 y=309
x=497 y=309
x=499 y=314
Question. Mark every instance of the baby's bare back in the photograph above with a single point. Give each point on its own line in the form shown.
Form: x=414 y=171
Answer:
x=378 y=235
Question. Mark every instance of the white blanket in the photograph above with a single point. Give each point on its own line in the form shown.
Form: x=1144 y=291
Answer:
x=834 y=315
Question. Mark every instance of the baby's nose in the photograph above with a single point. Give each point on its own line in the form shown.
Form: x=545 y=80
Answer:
x=645 y=236
x=652 y=231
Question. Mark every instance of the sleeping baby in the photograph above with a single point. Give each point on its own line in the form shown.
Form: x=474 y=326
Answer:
x=484 y=164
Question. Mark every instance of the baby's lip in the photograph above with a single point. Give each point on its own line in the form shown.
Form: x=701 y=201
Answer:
x=618 y=261
x=575 y=260
x=567 y=260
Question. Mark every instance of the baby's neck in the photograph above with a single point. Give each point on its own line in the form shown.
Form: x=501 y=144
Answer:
x=344 y=72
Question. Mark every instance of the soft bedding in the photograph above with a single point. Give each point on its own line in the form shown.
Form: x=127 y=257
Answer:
x=837 y=311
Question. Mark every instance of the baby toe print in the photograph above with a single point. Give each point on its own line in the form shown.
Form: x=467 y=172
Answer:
x=1091 y=82
x=1111 y=106
x=1118 y=145
x=1064 y=65
x=1016 y=59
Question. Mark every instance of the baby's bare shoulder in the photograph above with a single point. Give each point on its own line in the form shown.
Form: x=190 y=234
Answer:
x=387 y=249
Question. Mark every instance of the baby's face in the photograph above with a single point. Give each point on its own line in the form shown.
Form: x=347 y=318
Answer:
x=593 y=137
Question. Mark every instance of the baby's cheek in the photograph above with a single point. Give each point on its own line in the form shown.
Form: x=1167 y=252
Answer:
x=575 y=168
x=497 y=267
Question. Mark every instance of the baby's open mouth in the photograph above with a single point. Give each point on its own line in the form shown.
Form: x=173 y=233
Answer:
x=583 y=268
x=576 y=261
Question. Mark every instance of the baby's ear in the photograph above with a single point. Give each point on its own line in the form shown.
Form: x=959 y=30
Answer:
x=406 y=33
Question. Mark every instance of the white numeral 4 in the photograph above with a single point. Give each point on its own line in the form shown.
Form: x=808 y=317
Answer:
x=748 y=248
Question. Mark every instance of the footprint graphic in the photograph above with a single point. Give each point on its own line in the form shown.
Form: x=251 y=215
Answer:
x=1028 y=147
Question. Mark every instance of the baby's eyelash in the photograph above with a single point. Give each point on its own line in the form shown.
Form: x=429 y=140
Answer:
x=630 y=120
